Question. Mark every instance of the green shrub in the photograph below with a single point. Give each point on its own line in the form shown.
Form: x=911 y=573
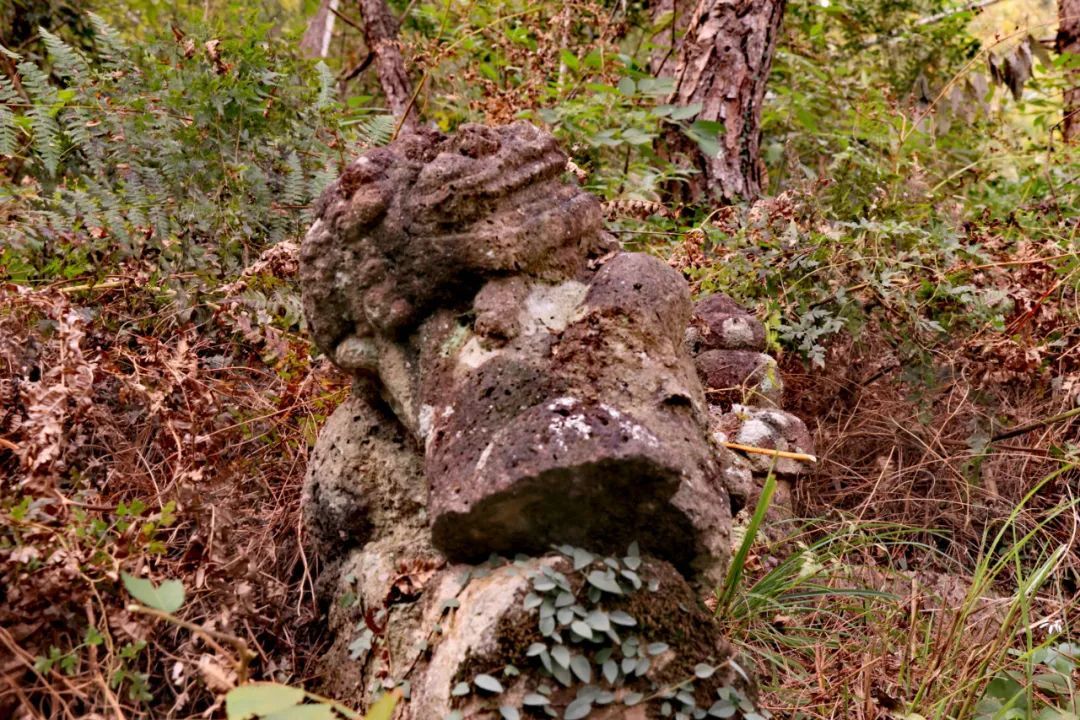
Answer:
x=183 y=156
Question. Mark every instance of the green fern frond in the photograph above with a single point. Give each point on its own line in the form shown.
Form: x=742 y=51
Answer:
x=51 y=218
x=7 y=132
x=48 y=143
x=137 y=201
x=382 y=129
x=326 y=86
x=9 y=54
x=322 y=179
x=159 y=221
x=110 y=46
x=67 y=61
x=36 y=84
x=74 y=121
x=152 y=180
x=112 y=211
x=295 y=190
x=8 y=94
x=48 y=137
x=85 y=206
x=108 y=135
x=374 y=130
x=118 y=229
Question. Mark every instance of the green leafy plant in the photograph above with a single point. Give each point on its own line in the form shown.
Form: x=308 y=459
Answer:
x=108 y=138
x=733 y=581
x=272 y=701
x=168 y=597
x=596 y=651
x=1047 y=692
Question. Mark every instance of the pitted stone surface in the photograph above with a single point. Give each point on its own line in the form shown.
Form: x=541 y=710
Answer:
x=423 y=222
x=534 y=435
x=719 y=323
x=765 y=428
x=364 y=477
x=740 y=377
x=543 y=439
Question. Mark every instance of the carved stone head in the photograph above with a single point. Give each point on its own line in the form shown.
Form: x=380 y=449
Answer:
x=543 y=373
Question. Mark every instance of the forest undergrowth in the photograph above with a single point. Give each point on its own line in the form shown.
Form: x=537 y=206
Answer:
x=918 y=270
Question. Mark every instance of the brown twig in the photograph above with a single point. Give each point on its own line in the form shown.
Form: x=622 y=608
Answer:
x=212 y=637
x=346 y=19
x=360 y=67
x=108 y=285
x=95 y=669
x=1035 y=425
x=28 y=660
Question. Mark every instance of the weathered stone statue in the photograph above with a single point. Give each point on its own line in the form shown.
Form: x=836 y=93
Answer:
x=522 y=384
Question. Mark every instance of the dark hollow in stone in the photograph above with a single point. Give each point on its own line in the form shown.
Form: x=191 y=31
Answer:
x=574 y=504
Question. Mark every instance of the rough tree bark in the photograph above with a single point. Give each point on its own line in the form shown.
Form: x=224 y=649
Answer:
x=380 y=30
x=724 y=64
x=1068 y=41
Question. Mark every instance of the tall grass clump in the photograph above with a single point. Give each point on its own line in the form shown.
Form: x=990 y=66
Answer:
x=869 y=619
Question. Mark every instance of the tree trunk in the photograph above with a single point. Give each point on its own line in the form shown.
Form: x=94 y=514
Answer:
x=380 y=29
x=1068 y=41
x=724 y=65
x=316 y=40
x=675 y=14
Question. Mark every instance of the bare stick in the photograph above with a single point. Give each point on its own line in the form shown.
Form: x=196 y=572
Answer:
x=109 y=285
x=770 y=452
x=211 y=636
x=1035 y=425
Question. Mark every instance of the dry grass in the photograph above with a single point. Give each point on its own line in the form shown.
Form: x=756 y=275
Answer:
x=859 y=637
x=218 y=419
x=120 y=413
x=926 y=531
x=135 y=441
x=898 y=449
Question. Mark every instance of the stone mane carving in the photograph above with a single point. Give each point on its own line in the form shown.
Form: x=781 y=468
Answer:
x=520 y=383
x=424 y=222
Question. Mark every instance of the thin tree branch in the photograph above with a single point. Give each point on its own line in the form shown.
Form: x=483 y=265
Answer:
x=930 y=20
x=1035 y=425
x=346 y=19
